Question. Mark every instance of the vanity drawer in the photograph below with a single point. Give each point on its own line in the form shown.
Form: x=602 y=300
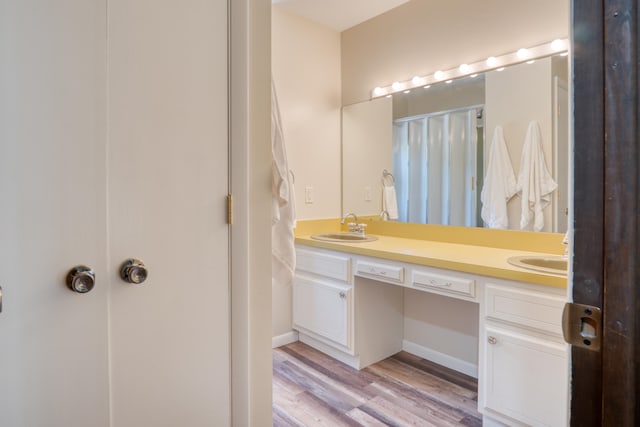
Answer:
x=380 y=271
x=426 y=280
x=328 y=265
x=524 y=307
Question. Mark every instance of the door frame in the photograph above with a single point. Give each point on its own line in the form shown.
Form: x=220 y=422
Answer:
x=250 y=239
x=606 y=197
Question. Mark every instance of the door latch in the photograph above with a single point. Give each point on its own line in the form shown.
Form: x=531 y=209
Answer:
x=582 y=325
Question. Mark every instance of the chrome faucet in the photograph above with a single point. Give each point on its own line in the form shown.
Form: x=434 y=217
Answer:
x=354 y=227
x=383 y=214
x=355 y=218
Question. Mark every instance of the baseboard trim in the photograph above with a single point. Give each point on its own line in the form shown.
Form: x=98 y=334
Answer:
x=441 y=358
x=340 y=355
x=284 y=339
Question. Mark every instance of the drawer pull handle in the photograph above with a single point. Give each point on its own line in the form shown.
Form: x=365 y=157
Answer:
x=492 y=340
x=342 y=295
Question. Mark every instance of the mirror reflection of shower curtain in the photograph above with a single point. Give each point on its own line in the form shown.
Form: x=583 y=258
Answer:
x=434 y=162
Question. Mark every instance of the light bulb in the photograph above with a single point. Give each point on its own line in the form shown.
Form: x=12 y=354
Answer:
x=522 y=53
x=557 y=45
x=378 y=91
x=439 y=75
x=464 y=68
x=417 y=80
x=492 y=61
x=396 y=86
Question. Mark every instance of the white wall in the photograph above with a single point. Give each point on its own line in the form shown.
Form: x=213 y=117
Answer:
x=306 y=72
x=442 y=324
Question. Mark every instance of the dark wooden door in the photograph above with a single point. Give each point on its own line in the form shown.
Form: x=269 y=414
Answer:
x=605 y=384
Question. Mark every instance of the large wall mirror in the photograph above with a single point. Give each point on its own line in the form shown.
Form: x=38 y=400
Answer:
x=432 y=144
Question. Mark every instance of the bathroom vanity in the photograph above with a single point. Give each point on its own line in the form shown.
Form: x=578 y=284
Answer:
x=348 y=302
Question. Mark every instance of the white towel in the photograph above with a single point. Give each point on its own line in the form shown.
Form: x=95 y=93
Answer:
x=499 y=183
x=390 y=201
x=535 y=183
x=283 y=220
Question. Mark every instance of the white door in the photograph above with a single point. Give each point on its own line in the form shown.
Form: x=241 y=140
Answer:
x=103 y=160
x=168 y=183
x=53 y=342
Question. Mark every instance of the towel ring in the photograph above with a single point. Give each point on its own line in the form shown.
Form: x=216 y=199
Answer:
x=386 y=174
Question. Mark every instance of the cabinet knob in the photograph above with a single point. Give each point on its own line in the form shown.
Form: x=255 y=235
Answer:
x=492 y=340
x=342 y=295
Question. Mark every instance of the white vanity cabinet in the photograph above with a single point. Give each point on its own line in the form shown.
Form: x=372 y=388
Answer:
x=323 y=298
x=523 y=358
x=352 y=307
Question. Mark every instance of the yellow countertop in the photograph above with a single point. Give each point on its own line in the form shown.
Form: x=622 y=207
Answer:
x=475 y=259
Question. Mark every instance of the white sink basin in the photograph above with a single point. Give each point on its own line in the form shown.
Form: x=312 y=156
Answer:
x=544 y=264
x=343 y=237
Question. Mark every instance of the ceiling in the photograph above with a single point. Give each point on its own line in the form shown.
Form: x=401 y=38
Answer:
x=338 y=14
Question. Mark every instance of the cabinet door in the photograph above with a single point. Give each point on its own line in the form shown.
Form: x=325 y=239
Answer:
x=525 y=377
x=323 y=308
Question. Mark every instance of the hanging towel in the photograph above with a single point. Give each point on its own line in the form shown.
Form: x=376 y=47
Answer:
x=390 y=201
x=499 y=183
x=283 y=220
x=389 y=197
x=535 y=183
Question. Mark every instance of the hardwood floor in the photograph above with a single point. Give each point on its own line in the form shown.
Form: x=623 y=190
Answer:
x=312 y=389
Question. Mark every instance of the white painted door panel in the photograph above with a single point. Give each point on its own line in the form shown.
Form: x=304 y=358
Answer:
x=167 y=197
x=53 y=343
x=113 y=144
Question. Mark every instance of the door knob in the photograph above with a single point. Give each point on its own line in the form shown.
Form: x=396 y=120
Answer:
x=81 y=279
x=133 y=271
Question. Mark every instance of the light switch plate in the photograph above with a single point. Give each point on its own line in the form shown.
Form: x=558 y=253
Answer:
x=308 y=194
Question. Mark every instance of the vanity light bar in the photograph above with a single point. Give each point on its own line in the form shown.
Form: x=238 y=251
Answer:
x=557 y=46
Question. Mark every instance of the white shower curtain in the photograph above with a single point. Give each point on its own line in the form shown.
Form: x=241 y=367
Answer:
x=434 y=162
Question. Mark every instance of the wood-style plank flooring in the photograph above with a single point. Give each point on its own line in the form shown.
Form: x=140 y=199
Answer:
x=313 y=389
